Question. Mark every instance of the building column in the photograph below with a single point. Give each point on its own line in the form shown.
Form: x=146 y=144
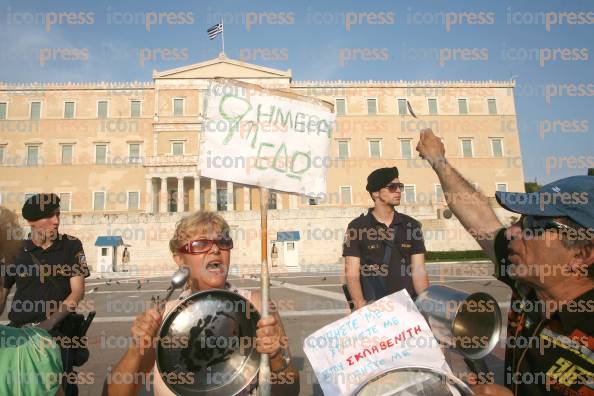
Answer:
x=279 y=201
x=247 y=201
x=163 y=196
x=230 y=196
x=196 y=193
x=180 y=194
x=213 y=195
x=149 y=195
x=292 y=201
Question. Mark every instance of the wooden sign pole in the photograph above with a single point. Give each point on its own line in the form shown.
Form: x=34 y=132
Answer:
x=264 y=375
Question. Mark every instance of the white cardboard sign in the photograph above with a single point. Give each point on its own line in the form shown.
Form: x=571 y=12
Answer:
x=265 y=138
x=388 y=334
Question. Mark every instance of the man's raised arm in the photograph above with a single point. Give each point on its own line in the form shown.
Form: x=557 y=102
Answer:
x=470 y=206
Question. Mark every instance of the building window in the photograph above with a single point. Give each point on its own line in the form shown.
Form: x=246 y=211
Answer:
x=177 y=148
x=432 y=104
x=133 y=200
x=65 y=202
x=492 y=104
x=178 y=107
x=135 y=109
x=221 y=199
x=32 y=155
x=67 y=154
x=501 y=187
x=466 y=145
x=345 y=195
x=409 y=193
x=402 y=110
x=340 y=107
x=101 y=153
x=69 y=110
x=372 y=106
x=343 y=149
x=99 y=200
x=438 y=193
x=375 y=150
x=2 y=151
x=102 y=109
x=405 y=148
x=272 y=204
x=35 y=112
x=3 y=110
x=134 y=153
x=497 y=147
x=312 y=201
x=104 y=252
x=462 y=106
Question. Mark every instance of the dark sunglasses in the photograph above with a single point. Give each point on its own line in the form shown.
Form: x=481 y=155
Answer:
x=393 y=187
x=535 y=223
x=204 y=245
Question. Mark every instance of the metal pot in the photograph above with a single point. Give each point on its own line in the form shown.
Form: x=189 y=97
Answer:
x=209 y=338
x=417 y=381
x=469 y=322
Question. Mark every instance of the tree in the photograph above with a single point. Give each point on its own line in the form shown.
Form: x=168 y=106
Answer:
x=532 y=186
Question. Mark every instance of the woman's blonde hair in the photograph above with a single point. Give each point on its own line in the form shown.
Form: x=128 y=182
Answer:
x=198 y=222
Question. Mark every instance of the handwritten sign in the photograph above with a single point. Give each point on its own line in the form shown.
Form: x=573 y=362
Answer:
x=388 y=334
x=266 y=138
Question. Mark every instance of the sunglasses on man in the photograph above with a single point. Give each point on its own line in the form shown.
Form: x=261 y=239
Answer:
x=541 y=224
x=204 y=245
x=393 y=187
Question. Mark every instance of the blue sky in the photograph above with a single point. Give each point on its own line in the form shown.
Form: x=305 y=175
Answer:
x=104 y=40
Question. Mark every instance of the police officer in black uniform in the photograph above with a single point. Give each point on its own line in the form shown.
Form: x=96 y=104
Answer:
x=49 y=272
x=384 y=250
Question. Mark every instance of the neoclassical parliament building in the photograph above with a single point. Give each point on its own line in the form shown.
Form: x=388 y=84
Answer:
x=116 y=147
x=111 y=148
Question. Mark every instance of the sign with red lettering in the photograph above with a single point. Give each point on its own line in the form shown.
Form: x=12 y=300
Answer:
x=388 y=334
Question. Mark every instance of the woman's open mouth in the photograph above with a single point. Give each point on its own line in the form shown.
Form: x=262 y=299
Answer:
x=216 y=267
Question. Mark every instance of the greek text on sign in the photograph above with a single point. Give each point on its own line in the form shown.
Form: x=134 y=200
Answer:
x=266 y=138
x=388 y=334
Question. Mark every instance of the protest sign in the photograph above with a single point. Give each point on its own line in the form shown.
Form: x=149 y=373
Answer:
x=388 y=334
x=267 y=138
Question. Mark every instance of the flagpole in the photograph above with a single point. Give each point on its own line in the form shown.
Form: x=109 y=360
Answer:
x=223 y=35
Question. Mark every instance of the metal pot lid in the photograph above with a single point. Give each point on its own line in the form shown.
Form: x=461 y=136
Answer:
x=206 y=345
x=409 y=381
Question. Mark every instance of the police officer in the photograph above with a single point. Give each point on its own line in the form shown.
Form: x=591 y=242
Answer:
x=384 y=250
x=49 y=272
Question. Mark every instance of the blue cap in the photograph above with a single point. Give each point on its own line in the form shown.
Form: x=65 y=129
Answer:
x=571 y=197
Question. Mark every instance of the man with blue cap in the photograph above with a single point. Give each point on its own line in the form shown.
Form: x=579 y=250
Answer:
x=547 y=258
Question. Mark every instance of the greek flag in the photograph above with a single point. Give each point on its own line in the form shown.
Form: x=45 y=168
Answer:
x=215 y=30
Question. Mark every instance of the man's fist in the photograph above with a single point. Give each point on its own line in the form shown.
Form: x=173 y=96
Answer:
x=430 y=147
x=145 y=328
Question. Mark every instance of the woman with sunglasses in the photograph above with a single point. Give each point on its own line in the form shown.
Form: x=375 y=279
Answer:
x=201 y=242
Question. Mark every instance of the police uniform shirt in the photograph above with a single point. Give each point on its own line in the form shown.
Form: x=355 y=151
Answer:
x=367 y=238
x=43 y=282
x=546 y=356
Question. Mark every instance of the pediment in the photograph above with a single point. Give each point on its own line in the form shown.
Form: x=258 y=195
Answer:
x=222 y=67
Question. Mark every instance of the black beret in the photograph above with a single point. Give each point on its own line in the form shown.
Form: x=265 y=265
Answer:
x=40 y=206
x=380 y=178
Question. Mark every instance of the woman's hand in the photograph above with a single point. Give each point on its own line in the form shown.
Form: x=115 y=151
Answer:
x=491 y=390
x=145 y=328
x=268 y=336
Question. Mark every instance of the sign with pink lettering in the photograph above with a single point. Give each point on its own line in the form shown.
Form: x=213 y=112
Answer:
x=388 y=334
